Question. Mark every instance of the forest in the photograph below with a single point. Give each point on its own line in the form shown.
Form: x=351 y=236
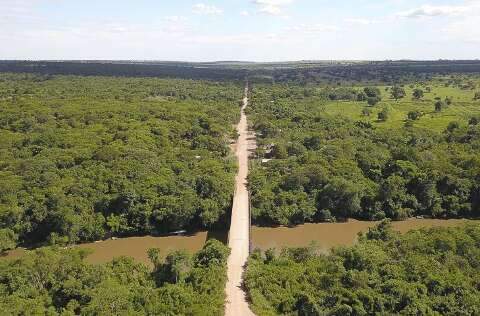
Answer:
x=424 y=272
x=100 y=150
x=84 y=158
x=300 y=72
x=328 y=153
x=53 y=281
x=174 y=70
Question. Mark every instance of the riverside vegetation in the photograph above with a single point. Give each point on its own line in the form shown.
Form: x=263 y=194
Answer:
x=423 y=272
x=367 y=152
x=52 y=281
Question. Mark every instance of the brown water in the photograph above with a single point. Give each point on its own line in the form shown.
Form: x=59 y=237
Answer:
x=324 y=235
x=328 y=235
x=137 y=247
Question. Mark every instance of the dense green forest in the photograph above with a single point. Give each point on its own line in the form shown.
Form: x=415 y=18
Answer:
x=52 y=281
x=366 y=152
x=301 y=72
x=86 y=157
x=425 y=272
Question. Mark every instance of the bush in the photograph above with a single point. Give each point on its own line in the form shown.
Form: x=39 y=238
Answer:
x=8 y=239
x=372 y=92
x=384 y=114
x=397 y=92
x=414 y=115
x=439 y=106
x=372 y=101
x=417 y=94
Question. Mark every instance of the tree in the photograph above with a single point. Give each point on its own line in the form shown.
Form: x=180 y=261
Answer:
x=382 y=231
x=366 y=112
x=372 y=92
x=212 y=253
x=384 y=114
x=154 y=256
x=413 y=115
x=397 y=92
x=8 y=239
x=341 y=197
x=361 y=96
x=279 y=151
x=110 y=298
x=395 y=198
x=439 y=105
x=177 y=265
x=372 y=101
x=417 y=94
x=452 y=126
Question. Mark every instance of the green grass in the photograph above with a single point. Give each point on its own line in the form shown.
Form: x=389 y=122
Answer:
x=461 y=110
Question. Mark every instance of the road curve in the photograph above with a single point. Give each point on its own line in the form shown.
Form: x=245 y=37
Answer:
x=239 y=239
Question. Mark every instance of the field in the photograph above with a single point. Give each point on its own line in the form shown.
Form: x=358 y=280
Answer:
x=462 y=109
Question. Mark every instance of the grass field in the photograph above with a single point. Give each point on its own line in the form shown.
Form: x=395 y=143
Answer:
x=461 y=110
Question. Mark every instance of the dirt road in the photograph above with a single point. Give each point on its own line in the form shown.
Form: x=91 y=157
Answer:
x=238 y=241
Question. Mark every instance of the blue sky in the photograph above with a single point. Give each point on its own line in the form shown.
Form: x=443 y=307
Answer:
x=257 y=30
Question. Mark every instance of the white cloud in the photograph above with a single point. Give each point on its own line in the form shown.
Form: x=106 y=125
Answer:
x=433 y=11
x=205 y=9
x=272 y=7
x=244 y=13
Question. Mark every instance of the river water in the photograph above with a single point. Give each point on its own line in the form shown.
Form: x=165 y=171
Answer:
x=328 y=235
x=325 y=236
x=137 y=247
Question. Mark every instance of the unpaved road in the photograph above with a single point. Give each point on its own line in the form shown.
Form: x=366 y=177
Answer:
x=239 y=238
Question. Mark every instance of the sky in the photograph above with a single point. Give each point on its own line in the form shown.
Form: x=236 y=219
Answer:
x=247 y=30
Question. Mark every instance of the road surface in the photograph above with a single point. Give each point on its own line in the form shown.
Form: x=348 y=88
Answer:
x=239 y=239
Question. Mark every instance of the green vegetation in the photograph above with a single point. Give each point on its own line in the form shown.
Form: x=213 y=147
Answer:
x=397 y=92
x=86 y=157
x=425 y=272
x=334 y=157
x=51 y=281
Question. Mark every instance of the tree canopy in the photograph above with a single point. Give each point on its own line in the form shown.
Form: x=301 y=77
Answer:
x=53 y=281
x=82 y=158
x=424 y=272
x=330 y=162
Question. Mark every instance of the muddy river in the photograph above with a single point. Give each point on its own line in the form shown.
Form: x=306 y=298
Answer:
x=328 y=235
x=137 y=247
x=324 y=235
